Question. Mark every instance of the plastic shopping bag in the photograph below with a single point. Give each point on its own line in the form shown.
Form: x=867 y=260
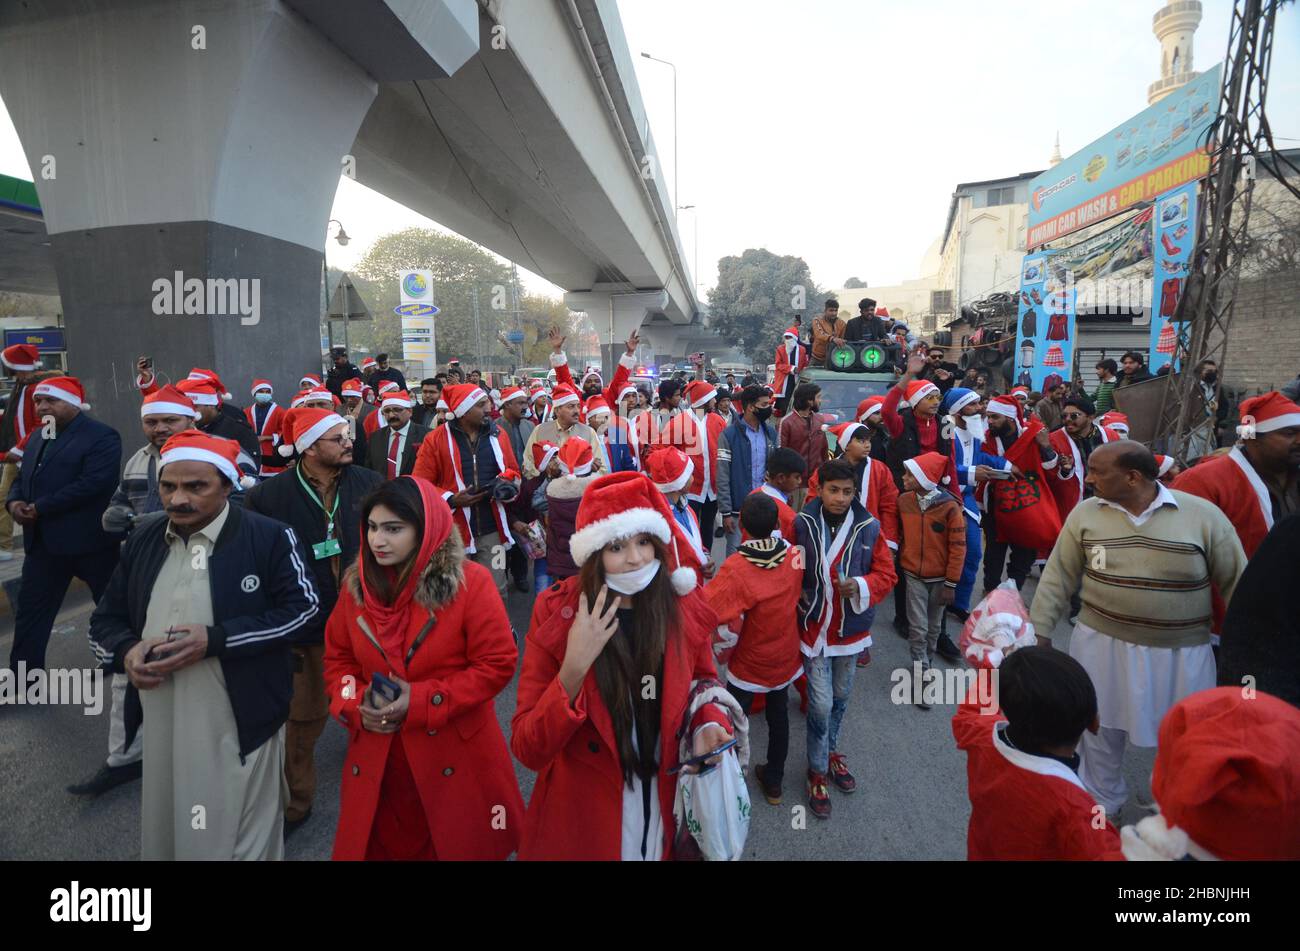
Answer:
x=713 y=806
x=998 y=625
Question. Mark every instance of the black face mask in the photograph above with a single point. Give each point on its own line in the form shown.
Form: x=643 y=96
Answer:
x=763 y=415
x=1210 y=376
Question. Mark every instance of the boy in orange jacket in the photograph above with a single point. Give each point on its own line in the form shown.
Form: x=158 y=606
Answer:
x=756 y=590
x=932 y=553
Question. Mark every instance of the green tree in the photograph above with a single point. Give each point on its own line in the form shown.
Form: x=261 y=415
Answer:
x=756 y=298
x=855 y=282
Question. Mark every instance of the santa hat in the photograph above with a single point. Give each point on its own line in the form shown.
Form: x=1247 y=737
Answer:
x=882 y=311
x=398 y=398
x=535 y=384
x=596 y=406
x=669 y=469
x=1164 y=464
x=844 y=432
x=544 y=452
x=309 y=380
x=576 y=458
x=201 y=392
x=791 y=333
x=367 y=363
x=319 y=394
x=870 y=407
x=261 y=385
x=199 y=373
x=918 y=390
x=66 y=388
x=929 y=469
x=353 y=387
x=1020 y=391
x=1263 y=414
x=1005 y=406
x=699 y=392
x=511 y=393
x=1227 y=780
x=390 y=385
x=563 y=394
x=624 y=504
x=299 y=398
x=168 y=401
x=442 y=405
x=538 y=394
x=590 y=372
x=628 y=388
x=305 y=425
x=1116 y=421
x=194 y=445
x=955 y=400
x=21 y=357
x=463 y=397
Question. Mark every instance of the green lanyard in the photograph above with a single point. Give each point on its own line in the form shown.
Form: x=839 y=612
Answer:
x=329 y=528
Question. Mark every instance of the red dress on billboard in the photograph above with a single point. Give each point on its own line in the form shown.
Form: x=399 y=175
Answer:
x=1058 y=327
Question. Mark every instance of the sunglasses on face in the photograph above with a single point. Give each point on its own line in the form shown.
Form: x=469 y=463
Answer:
x=1073 y=416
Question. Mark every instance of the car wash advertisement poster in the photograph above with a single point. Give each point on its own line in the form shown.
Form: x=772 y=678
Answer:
x=1045 y=321
x=1175 y=233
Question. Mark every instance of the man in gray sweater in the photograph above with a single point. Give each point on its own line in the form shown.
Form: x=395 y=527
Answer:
x=1144 y=558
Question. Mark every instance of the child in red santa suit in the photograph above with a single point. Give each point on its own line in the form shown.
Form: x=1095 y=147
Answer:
x=618 y=658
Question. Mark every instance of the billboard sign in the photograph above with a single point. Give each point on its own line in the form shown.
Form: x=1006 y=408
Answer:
x=1158 y=150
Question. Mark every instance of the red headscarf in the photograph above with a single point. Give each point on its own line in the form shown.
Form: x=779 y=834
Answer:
x=393 y=620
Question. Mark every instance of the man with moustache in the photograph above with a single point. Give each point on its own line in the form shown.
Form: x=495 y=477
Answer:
x=320 y=499
x=200 y=615
x=164 y=413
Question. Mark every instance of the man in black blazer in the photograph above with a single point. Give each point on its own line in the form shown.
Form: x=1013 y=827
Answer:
x=391 y=450
x=69 y=471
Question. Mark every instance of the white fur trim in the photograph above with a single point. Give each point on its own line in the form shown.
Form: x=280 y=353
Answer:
x=317 y=431
x=1154 y=840
x=565 y=400
x=559 y=359
x=627 y=361
x=204 y=399
x=195 y=454
x=684 y=580
x=919 y=475
x=922 y=393
x=19 y=366
x=160 y=408
x=711 y=394
x=285 y=450
x=958 y=404
x=261 y=386
x=1166 y=465
x=1277 y=422
x=1002 y=409
x=247 y=482
x=517 y=395
x=538 y=394
x=395 y=401
x=469 y=402
x=44 y=389
x=547 y=457
x=623 y=524
x=680 y=482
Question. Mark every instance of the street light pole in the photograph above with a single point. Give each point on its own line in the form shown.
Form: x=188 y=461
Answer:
x=676 y=168
x=343 y=239
x=695 y=242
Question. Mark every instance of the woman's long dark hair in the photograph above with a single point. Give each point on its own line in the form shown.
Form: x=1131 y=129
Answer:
x=636 y=651
x=402 y=498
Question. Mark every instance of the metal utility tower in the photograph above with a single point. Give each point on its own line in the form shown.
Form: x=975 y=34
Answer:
x=1241 y=143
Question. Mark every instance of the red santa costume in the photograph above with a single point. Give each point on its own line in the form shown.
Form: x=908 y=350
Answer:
x=877 y=491
x=1069 y=489
x=371 y=423
x=791 y=360
x=539 y=404
x=784 y=514
x=268 y=434
x=671 y=470
x=1226 y=781
x=1232 y=483
x=622 y=374
x=583 y=807
x=23 y=358
x=439 y=460
x=697 y=433
x=1024 y=807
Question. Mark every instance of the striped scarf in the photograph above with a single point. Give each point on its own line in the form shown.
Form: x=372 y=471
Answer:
x=764 y=552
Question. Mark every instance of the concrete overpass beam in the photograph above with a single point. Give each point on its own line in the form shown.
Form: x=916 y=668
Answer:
x=186 y=155
x=615 y=315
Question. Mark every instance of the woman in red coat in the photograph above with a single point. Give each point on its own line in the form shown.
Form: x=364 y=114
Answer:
x=426 y=776
x=613 y=654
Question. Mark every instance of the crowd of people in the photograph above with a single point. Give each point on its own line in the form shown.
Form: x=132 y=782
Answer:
x=691 y=555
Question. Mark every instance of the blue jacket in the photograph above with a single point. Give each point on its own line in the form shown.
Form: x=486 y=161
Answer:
x=735 y=480
x=72 y=483
x=966 y=471
x=262 y=594
x=854 y=561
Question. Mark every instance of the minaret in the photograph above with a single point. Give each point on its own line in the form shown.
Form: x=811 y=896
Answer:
x=1174 y=26
x=1056 y=152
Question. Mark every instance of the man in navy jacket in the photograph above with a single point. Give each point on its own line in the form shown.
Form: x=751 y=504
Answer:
x=740 y=472
x=201 y=614
x=68 y=475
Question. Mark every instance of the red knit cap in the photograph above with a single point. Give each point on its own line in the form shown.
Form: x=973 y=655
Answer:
x=625 y=504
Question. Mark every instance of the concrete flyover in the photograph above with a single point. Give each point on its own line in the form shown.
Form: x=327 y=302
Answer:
x=186 y=155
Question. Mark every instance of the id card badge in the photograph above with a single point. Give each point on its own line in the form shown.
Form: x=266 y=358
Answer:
x=327 y=549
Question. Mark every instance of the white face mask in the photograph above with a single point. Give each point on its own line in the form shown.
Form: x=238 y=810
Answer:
x=262 y=397
x=977 y=426
x=630 y=582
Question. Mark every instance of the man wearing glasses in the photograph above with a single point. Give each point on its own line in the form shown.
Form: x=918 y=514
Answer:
x=1074 y=442
x=320 y=499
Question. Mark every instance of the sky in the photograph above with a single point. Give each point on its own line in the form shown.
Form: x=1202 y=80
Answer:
x=854 y=120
